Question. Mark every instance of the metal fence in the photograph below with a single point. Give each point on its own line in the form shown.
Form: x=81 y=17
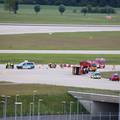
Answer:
x=99 y=116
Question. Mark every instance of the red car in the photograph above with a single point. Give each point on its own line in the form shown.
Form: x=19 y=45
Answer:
x=115 y=77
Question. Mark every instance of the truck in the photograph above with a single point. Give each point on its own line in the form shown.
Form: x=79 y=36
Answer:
x=89 y=64
x=79 y=70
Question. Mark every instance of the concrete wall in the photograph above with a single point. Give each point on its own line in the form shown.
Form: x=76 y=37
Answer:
x=97 y=107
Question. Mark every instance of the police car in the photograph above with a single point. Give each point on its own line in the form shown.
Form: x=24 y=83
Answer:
x=26 y=65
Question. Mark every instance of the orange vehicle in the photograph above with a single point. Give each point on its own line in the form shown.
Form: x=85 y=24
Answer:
x=93 y=67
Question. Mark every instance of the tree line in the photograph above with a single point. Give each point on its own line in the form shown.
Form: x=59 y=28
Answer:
x=89 y=9
x=13 y=5
x=94 y=3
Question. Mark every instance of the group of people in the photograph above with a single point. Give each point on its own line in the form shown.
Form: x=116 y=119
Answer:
x=10 y=65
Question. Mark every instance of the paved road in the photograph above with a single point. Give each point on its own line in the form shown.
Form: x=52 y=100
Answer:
x=58 y=76
x=63 y=51
x=27 y=28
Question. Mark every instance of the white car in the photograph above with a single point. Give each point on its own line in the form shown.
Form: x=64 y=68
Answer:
x=96 y=75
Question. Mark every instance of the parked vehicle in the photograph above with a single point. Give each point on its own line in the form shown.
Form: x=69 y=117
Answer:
x=100 y=65
x=79 y=70
x=51 y=65
x=93 y=67
x=96 y=75
x=89 y=64
x=61 y=65
x=85 y=64
x=9 y=65
x=100 y=62
x=65 y=65
x=26 y=65
x=115 y=77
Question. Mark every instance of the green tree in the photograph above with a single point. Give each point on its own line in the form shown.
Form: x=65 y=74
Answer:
x=74 y=10
x=11 y=5
x=94 y=3
x=84 y=11
x=89 y=8
x=37 y=8
x=109 y=10
x=15 y=7
x=61 y=9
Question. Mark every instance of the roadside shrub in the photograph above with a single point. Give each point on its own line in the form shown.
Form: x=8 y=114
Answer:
x=89 y=9
x=95 y=10
x=84 y=10
x=74 y=10
x=61 y=9
x=37 y=8
x=110 y=10
x=103 y=10
x=107 y=10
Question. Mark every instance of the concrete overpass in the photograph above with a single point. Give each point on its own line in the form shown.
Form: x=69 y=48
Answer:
x=98 y=103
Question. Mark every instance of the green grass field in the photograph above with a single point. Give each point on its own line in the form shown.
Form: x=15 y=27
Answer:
x=62 y=41
x=108 y=74
x=27 y=89
x=52 y=97
x=50 y=15
x=56 y=58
